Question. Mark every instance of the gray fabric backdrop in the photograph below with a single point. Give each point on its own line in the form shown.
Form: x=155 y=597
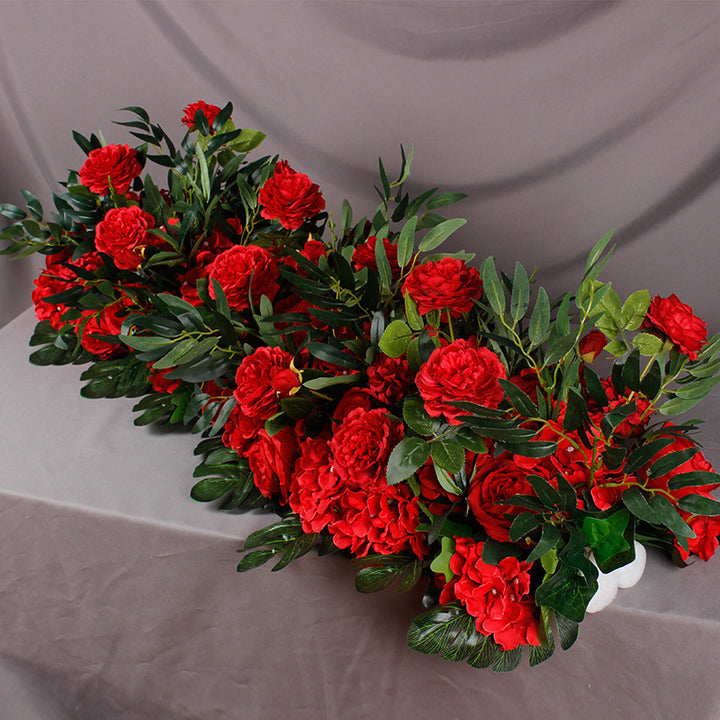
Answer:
x=560 y=120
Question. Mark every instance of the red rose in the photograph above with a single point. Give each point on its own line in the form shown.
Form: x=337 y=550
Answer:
x=116 y=164
x=290 y=197
x=364 y=256
x=315 y=486
x=236 y=267
x=362 y=444
x=678 y=323
x=591 y=345
x=494 y=481
x=272 y=459
x=389 y=379
x=57 y=277
x=123 y=235
x=262 y=380
x=381 y=520
x=460 y=371
x=209 y=111
x=353 y=398
x=497 y=596
x=448 y=283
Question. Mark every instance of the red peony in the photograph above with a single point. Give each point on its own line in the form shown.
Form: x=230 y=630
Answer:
x=57 y=277
x=353 y=398
x=381 y=520
x=209 y=111
x=448 y=283
x=262 y=380
x=240 y=430
x=362 y=444
x=678 y=323
x=364 y=256
x=107 y=321
x=497 y=596
x=112 y=164
x=122 y=234
x=460 y=371
x=240 y=265
x=493 y=481
x=290 y=197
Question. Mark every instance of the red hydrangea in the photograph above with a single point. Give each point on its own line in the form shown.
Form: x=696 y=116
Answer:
x=290 y=197
x=116 y=164
x=210 y=112
x=497 y=596
x=460 y=371
x=676 y=321
x=362 y=444
x=262 y=380
x=705 y=542
x=123 y=235
x=448 y=283
x=237 y=266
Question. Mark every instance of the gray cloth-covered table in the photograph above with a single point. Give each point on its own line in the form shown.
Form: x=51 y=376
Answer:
x=561 y=120
x=119 y=599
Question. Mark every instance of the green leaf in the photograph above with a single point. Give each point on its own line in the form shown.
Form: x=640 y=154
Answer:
x=652 y=382
x=437 y=235
x=138 y=342
x=631 y=371
x=448 y=453
x=546 y=493
x=211 y=489
x=396 y=338
x=407 y=457
x=406 y=242
x=597 y=251
x=648 y=344
x=670 y=518
x=646 y=452
x=520 y=400
x=548 y=540
x=523 y=524
x=566 y=592
x=417 y=418
x=540 y=319
x=666 y=463
x=520 y=296
x=607 y=537
x=493 y=289
x=567 y=631
x=248 y=140
x=695 y=478
x=634 y=310
x=634 y=500
x=334 y=355
x=699 y=505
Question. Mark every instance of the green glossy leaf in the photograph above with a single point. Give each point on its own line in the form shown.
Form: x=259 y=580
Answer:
x=520 y=400
x=407 y=457
x=448 y=453
x=699 y=505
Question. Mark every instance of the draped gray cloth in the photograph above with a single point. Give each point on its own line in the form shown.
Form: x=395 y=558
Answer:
x=560 y=120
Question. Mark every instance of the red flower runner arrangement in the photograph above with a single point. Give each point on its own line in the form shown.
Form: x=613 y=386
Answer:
x=442 y=425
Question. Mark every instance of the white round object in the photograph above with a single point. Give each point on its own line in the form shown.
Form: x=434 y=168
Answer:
x=623 y=577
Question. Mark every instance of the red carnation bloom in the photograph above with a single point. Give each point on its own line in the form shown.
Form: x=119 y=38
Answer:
x=210 y=112
x=116 y=164
x=290 y=197
x=315 y=486
x=236 y=267
x=497 y=596
x=362 y=444
x=678 y=323
x=460 y=371
x=381 y=520
x=390 y=379
x=123 y=235
x=364 y=256
x=448 y=283
x=262 y=380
